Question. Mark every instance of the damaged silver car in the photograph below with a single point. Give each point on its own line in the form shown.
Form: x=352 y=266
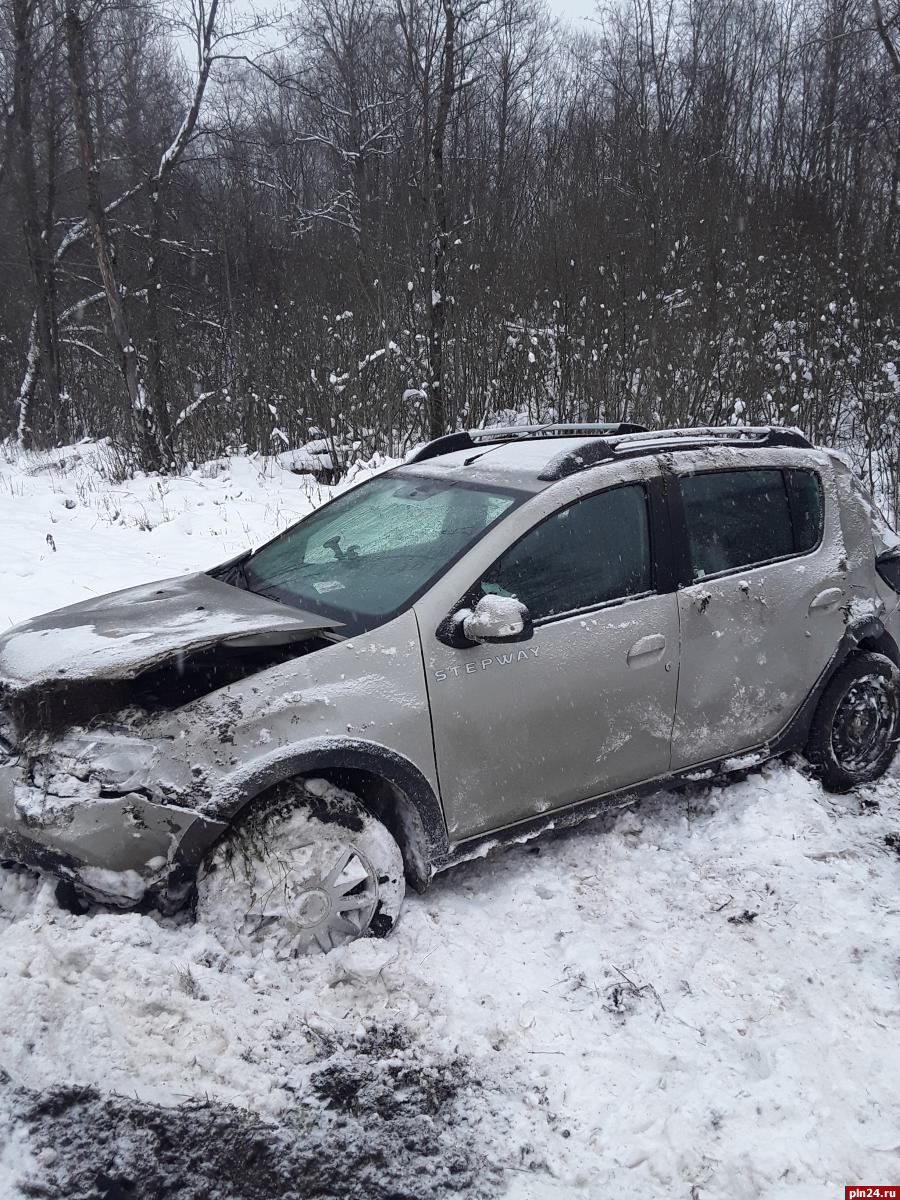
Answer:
x=514 y=629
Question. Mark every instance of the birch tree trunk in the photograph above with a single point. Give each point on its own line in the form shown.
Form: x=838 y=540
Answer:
x=129 y=362
x=40 y=258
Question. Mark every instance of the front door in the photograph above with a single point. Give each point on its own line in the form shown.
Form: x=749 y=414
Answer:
x=583 y=708
x=763 y=615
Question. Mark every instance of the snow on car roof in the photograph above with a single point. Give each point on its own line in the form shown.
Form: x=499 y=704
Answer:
x=513 y=463
x=532 y=462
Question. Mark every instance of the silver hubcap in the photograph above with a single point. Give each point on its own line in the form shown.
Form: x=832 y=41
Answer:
x=320 y=908
x=290 y=881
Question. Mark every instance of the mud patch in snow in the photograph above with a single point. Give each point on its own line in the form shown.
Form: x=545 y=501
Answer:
x=380 y=1120
x=628 y=1036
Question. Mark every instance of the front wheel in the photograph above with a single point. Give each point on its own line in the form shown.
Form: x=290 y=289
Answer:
x=853 y=736
x=303 y=874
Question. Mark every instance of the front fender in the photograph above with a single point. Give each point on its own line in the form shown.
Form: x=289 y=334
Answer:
x=253 y=778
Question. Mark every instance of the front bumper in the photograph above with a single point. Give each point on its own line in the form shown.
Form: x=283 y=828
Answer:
x=120 y=850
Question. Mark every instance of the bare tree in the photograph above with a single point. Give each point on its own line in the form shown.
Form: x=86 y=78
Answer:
x=129 y=362
x=414 y=214
x=888 y=26
x=35 y=35
x=204 y=31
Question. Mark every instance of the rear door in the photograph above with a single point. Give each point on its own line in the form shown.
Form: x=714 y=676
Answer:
x=762 y=615
x=584 y=707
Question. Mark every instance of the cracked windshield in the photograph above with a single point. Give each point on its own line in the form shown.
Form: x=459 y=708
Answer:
x=372 y=551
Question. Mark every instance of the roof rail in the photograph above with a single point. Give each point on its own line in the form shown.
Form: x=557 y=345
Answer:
x=656 y=440
x=468 y=439
x=759 y=435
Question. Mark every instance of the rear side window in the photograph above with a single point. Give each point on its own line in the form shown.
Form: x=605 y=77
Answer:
x=594 y=551
x=736 y=519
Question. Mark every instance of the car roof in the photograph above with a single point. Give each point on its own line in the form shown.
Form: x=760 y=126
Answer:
x=511 y=464
x=533 y=457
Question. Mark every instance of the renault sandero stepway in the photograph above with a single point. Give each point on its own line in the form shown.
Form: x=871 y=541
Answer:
x=516 y=627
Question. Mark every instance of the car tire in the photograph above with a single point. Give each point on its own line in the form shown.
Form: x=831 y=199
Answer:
x=853 y=736
x=304 y=873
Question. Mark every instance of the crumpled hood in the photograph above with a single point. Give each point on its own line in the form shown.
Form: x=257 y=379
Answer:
x=123 y=634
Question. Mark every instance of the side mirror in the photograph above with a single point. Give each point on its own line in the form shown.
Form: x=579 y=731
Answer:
x=498 y=619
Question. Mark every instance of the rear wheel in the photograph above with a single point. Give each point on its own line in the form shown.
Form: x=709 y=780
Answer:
x=853 y=737
x=306 y=873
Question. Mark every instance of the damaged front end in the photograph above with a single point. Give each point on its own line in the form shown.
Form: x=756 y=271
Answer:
x=118 y=849
x=92 y=788
x=86 y=809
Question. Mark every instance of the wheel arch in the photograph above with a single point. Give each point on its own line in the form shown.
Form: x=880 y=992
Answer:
x=861 y=633
x=870 y=634
x=870 y=650
x=388 y=784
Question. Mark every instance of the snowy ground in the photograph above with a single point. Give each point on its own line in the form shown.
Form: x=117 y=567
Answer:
x=697 y=998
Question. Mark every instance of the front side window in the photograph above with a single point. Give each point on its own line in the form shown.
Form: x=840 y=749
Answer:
x=594 y=551
x=374 y=550
x=743 y=518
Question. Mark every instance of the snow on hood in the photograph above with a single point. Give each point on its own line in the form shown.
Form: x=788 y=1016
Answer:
x=120 y=635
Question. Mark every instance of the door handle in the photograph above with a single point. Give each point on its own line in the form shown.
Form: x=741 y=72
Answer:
x=827 y=600
x=645 y=650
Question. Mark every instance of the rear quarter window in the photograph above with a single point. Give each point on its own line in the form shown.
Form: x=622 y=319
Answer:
x=807 y=507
